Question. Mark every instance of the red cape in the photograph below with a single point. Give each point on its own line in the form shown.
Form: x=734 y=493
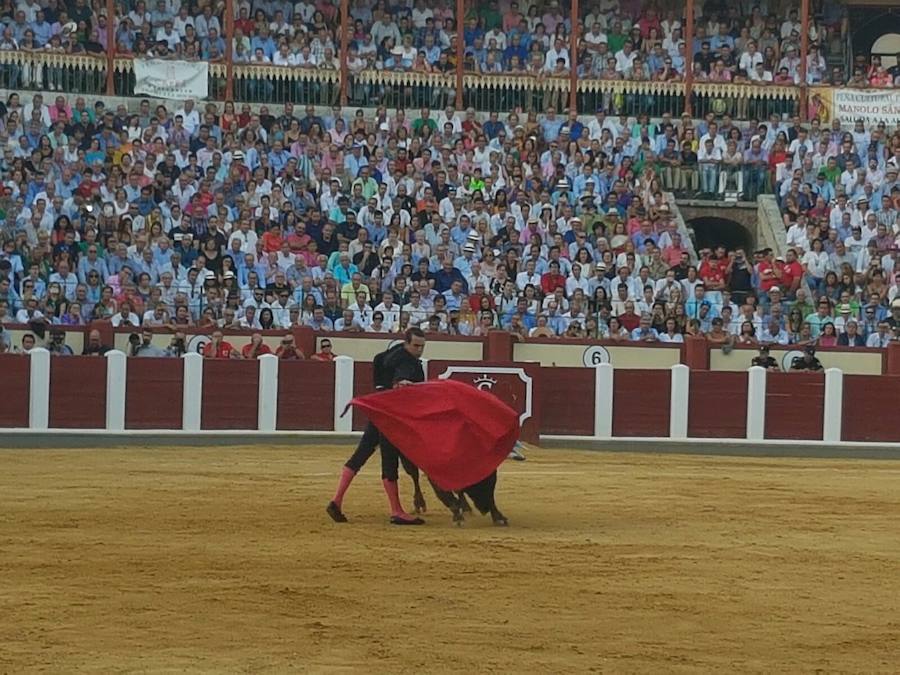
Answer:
x=455 y=433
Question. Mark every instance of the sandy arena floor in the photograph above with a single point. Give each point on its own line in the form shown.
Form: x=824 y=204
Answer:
x=223 y=560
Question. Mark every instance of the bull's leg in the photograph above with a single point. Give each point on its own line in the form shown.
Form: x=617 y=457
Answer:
x=413 y=471
x=498 y=518
x=463 y=502
x=451 y=501
x=482 y=494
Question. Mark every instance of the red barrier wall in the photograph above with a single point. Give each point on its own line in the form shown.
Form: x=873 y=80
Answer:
x=641 y=401
x=508 y=380
x=15 y=382
x=77 y=392
x=230 y=394
x=305 y=395
x=794 y=405
x=362 y=384
x=870 y=403
x=566 y=396
x=718 y=405
x=153 y=393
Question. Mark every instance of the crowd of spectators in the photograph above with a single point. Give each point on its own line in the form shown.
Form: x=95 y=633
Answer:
x=224 y=220
x=749 y=41
x=756 y=42
x=732 y=42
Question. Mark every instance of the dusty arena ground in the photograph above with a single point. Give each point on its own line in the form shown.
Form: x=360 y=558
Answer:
x=223 y=560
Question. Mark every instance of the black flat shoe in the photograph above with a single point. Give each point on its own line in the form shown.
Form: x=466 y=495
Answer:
x=397 y=520
x=335 y=512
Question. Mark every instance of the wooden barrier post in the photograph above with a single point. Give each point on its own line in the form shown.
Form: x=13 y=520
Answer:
x=229 y=50
x=833 y=417
x=110 y=47
x=603 y=400
x=892 y=359
x=346 y=26
x=804 y=52
x=678 y=401
x=573 y=58
x=756 y=403
x=39 y=390
x=499 y=346
x=192 y=399
x=267 y=407
x=343 y=392
x=688 y=54
x=116 y=372
x=460 y=51
x=305 y=339
x=696 y=353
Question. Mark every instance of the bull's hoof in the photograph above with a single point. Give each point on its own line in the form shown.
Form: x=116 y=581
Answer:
x=499 y=519
x=419 y=502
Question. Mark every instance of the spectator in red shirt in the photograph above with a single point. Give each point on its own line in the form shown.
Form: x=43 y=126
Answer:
x=298 y=240
x=712 y=271
x=630 y=319
x=288 y=351
x=672 y=254
x=477 y=299
x=272 y=239
x=325 y=354
x=218 y=348
x=552 y=280
x=769 y=275
x=255 y=348
x=791 y=274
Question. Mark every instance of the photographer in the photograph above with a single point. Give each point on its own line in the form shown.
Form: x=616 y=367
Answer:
x=57 y=343
x=808 y=361
x=177 y=347
x=288 y=351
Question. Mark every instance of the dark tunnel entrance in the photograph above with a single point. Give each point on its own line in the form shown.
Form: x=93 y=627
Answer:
x=710 y=232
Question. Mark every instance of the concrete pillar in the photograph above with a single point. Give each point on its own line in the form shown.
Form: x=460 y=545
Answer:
x=343 y=392
x=192 y=395
x=116 y=372
x=833 y=417
x=267 y=407
x=756 y=403
x=603 y=400
x=678 y=403
x=39 y=390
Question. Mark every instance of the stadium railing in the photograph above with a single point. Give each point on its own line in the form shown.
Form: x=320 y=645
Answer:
x=255 y=83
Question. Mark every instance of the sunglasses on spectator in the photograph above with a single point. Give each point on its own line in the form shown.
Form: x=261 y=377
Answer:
x=326 y=345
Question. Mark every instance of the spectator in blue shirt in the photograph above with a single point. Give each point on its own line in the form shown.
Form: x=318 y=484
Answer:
x=444 y=278
x=644 y=332
x=551 y=125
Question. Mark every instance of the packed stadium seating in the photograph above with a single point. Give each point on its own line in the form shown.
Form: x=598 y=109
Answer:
x=516 y=212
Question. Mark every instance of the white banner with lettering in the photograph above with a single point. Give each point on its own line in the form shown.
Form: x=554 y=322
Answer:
x=171 y=79
x=871 y=106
